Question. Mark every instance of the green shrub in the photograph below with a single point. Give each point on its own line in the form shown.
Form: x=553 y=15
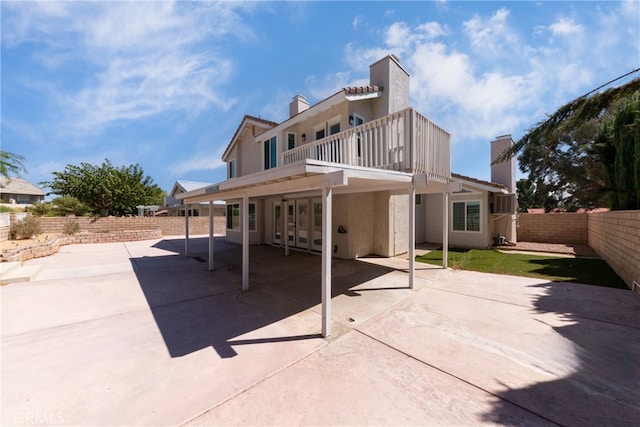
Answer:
x=41 y=209
x=67 y=205
x=71 y=228
x=60 y=206
x=25 y=228
x=4 y=208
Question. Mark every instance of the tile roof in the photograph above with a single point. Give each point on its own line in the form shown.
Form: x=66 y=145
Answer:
x=353 y=90
x=19 y=186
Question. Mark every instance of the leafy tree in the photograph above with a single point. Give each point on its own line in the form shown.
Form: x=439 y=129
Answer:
x=528 y=197
x=107 y=189
x=11 y=164
x=618 y=146
x=567 y=164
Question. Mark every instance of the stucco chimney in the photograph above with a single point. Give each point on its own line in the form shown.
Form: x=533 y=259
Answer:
x=388 y=73
x=298 y=105
x=503 y=173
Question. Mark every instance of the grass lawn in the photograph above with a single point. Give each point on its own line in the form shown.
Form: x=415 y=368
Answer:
x=578 y=270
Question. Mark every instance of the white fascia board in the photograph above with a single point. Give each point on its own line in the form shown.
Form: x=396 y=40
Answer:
x=305 y=115
x=479 y=186
x=363 y=96
x=245 y=122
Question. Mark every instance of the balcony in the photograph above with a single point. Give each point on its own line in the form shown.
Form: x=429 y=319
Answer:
x=404 y=141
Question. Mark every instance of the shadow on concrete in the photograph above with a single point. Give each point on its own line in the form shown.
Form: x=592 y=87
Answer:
x=602 y=385
x=196 y=309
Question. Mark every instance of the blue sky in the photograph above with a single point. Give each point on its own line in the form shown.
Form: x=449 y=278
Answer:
x=165 y=84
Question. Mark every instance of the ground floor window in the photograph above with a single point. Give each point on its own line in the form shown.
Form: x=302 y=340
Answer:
x=466 y=216
x=233 y=216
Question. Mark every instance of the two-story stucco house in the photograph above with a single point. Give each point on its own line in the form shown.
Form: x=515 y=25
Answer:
x=341 y=177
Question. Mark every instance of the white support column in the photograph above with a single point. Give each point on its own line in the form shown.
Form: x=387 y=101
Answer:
x=186 y=229
x=211 y=235
x=285 y=228
x=327 y=201
x=412 y=237
x=244 y=220
x=445 y=229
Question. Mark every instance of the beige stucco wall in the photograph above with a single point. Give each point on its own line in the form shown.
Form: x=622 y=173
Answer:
x=468 y=239
x=382 y=242
x=505 y=225
x=433 y=218
x=400 y=226
x=460 y=239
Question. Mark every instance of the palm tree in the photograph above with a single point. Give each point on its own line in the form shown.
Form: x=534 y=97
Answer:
x=11 y=164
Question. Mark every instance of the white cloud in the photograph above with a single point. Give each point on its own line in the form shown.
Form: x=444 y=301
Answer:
x=434 y=30
x=491 y=36
x=565 y=27
x=146 y=58
x=200 y=162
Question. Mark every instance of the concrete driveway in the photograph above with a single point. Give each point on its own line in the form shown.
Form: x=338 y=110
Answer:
x=137 y=333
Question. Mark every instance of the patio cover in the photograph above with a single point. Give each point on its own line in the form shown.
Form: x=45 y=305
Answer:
x=327 y=179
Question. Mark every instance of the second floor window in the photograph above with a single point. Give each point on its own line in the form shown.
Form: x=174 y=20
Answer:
x=335 y=128
x=232 y=168
x=291 y=141
x=270 y=153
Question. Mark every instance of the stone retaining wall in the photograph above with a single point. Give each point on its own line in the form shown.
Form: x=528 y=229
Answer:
x=615 y=236
x=553 y=228
x=48 y=248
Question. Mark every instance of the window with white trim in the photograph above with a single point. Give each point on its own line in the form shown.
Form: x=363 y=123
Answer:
x=233 y=216
x=466 y=216
x=270 y=153
x=231 y=169
x=291 y=141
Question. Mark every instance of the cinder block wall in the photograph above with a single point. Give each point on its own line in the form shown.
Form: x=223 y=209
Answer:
x=615 y=236
x=553 y=228
x=169 y=226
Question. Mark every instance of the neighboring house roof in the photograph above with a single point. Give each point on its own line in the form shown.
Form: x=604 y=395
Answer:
x=182 y=186
x=19 y=186
x=485 y=185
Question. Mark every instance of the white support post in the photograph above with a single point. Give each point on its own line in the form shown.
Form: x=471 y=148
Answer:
x=211 y=235
x=445 y=229
x=244 y=220
x=412 y=237
x=327 y=201
x=186 y=229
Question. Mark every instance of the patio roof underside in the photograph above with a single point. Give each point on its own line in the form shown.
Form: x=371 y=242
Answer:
x=312 y=176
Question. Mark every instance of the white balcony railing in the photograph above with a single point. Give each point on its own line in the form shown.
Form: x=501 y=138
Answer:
x=404 y=141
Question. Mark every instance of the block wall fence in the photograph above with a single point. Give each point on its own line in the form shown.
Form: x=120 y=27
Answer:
x=168 y=226
x=614 y=235
x=553 y=228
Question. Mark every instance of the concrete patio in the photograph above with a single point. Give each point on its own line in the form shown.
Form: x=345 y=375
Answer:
x=138 y=334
